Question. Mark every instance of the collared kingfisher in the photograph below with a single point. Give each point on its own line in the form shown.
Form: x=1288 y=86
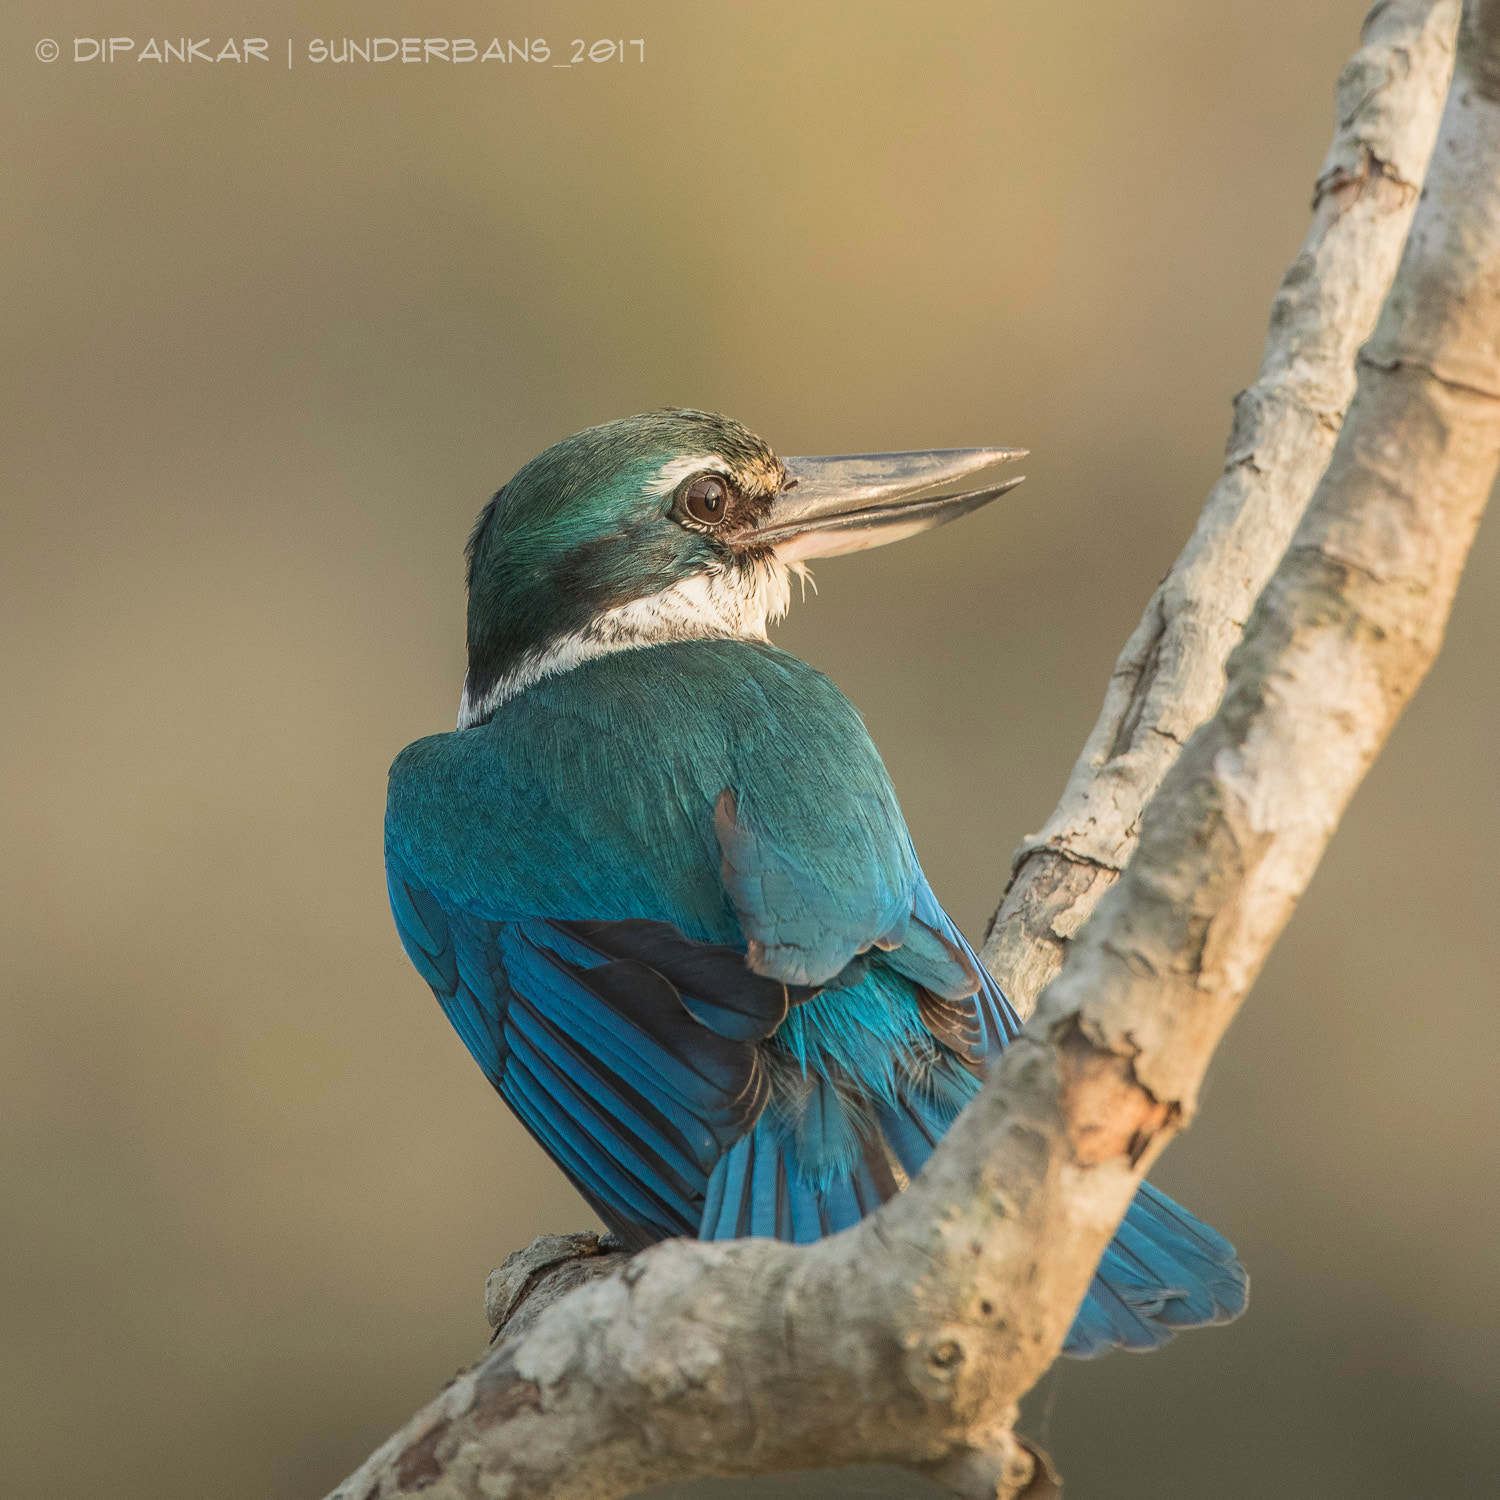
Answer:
x=659 y=881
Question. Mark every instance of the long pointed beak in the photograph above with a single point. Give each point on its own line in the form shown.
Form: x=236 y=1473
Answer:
x=859 y=500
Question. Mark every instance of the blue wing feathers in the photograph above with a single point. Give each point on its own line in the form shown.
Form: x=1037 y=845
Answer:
x=636 y=1032
x=620 y=1196
x=619 y=1110
x=689 y=942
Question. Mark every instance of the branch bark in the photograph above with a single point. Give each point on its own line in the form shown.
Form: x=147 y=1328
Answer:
x=1170 y=675
x=909 y=1338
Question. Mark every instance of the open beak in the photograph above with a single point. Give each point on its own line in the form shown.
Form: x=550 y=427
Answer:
x=858 y=500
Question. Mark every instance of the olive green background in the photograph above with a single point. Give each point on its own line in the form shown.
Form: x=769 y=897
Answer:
x=272 y=336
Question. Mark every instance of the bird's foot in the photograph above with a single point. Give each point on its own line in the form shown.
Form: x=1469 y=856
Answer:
x=536 y=1276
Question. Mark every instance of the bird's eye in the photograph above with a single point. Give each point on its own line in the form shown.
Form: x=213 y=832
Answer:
x=706 y=499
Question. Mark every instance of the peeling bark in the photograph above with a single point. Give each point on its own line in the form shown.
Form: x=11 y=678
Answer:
x=910 y=1338
x=1171 y=673
x=1109 y=1112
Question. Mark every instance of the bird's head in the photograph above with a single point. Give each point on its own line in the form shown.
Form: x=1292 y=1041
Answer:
x=676 y=525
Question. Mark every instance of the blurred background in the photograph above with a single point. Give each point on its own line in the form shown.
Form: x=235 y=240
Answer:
x=271 y=338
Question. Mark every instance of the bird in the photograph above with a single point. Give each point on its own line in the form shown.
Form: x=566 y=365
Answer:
x=659 y=881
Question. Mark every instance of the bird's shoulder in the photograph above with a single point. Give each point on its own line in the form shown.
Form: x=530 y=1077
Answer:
x=685 y=713
x=594 y=792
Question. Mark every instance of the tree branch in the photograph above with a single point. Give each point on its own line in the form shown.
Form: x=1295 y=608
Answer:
x=909 y=1338
x=1170 y=675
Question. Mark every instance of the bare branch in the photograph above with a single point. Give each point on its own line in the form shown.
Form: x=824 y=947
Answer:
x=1171 y=673
x=909 y=1338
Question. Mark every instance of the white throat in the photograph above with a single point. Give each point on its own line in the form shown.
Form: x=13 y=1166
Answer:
x=728 y=603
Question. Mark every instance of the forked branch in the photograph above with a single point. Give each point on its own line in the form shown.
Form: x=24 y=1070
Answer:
x=909 y=1338
x=1170 y=675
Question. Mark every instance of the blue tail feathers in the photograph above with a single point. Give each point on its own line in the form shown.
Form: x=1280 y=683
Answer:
x=1165 y=1270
